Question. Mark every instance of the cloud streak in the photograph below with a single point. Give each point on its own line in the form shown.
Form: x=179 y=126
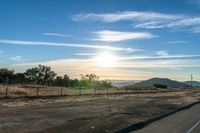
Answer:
x=123 y=16
x=124 y=68
x=115 y=36
x=158 y=57
x=85 y=54
x=40 y=43
x=57 y=35
x=145 y=20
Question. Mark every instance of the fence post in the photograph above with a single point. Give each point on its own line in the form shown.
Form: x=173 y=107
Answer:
x=80 y=91
x=95 y=90
x=38 y=92
x=61 y=91
x=107 y=90
x=6 y=95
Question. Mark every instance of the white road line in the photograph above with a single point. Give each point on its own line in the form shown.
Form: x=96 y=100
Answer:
x=189 y=131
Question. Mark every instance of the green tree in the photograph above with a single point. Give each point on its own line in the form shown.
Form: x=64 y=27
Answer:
x=74 y=83
x=19 y=78
x=160 y=86
x=105 y=84
x=66 y=80
x=6 y=75
x=59 y=81
x=89 y=80
x=40 y=75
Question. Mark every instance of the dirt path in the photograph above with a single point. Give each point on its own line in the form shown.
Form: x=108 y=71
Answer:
x=86 y=114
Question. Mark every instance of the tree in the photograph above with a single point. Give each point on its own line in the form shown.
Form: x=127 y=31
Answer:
x=160 y=86
x=19 y=78
x=42 y=75
x=74 y=83
x=89 y=80
x=59 y=81
x=6 y=75
x=105 y=84
x=66 y=80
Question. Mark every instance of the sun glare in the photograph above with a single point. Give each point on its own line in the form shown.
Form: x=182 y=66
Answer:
x=105 y=59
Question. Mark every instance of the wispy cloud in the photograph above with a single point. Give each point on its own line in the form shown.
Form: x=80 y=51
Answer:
x=72 y=66
x=73 y=69
x=146 y=20
x=162 y=53
x=85 y=54
x=16 y=58
x=115 y=36
x=123 y=16
x=195 y=29
x=178 y=42
x=57 y=35
x=185 y=22
x=150 y=25
x=124 y=67
x=105 y=47
x=158 y=57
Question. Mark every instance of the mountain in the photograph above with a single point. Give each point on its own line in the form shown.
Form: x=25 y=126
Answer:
x=122 y=83
x=164 y=81
x=194 y=83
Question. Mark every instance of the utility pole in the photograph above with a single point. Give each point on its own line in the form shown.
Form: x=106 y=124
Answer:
x=191 y=80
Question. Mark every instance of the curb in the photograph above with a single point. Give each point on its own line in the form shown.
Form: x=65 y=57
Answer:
x=142 y=124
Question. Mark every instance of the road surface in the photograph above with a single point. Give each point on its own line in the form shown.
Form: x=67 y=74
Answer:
x=186 y=121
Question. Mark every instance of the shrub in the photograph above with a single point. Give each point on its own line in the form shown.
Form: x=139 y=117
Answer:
x=160 y=86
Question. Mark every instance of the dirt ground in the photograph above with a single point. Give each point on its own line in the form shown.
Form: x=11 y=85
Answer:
x=87 y=114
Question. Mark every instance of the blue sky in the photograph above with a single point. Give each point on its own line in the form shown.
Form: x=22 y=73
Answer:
x=116 y=39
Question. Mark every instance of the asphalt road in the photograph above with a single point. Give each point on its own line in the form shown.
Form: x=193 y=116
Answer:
x=186 y=121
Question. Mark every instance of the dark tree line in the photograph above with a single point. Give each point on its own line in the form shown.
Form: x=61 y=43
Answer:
x=43 y=75
x=160 y=86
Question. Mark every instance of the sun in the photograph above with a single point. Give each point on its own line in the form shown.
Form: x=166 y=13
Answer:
x=105 y=59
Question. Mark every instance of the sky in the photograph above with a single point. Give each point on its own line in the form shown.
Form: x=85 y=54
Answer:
x=115 y=39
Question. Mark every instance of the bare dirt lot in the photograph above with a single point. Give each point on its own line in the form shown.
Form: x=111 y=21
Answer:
x=87 y=114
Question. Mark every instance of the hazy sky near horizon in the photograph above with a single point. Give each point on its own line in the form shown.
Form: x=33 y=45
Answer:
x=115 y=39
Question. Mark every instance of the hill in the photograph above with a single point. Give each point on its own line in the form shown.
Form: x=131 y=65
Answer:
x=123 y=83
x=194 y=83
x=164 y=81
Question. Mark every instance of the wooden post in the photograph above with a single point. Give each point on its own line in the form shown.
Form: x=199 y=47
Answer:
x=61 y=91
x=107 y=90
x=6 y=94
x=95 y=90
x=38 y=92
x=80 y=91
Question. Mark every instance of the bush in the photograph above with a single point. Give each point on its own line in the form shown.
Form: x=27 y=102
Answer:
x=160 y=86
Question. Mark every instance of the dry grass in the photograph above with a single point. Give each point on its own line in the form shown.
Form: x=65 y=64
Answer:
x=14 y=90
x=28 y=90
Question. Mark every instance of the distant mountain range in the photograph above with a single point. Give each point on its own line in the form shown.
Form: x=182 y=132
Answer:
x=123 y=83
x=194 y=83
x=164 y=81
